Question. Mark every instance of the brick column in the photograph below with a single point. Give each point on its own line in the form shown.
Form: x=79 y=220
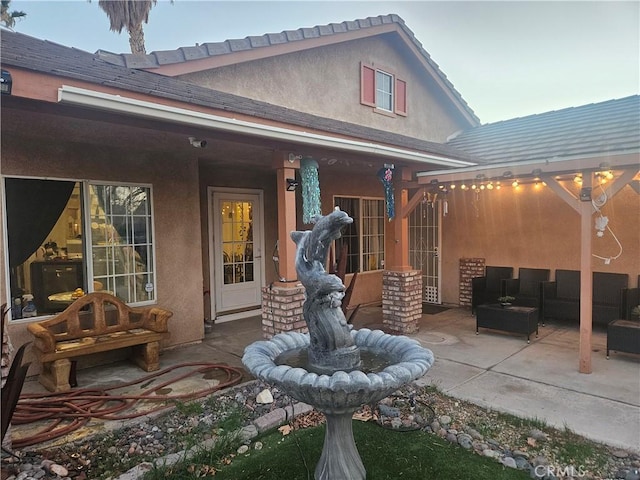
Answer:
x=469 y=268
x=282 y=310
x=401 y=301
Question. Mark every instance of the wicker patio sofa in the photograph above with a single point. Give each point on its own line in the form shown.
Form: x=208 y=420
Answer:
x=488 y=288
x=527 y=288
x=623 y=335
x=561 y=298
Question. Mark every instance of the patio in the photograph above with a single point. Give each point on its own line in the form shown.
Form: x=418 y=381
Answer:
x=493 y=369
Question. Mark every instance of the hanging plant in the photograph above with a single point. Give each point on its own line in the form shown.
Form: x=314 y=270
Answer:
x=310 y=190
x=386 y=177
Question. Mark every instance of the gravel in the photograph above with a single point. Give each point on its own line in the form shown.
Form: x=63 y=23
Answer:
x=127 y=453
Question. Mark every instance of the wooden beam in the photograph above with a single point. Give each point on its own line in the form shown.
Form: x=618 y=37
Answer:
x=560 y=190
x=413 y=203
x=286 y=218
x=586 y=279
x=618 y=184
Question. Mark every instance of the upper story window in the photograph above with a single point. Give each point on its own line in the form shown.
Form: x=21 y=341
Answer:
x=381 y=89
x=66 y=238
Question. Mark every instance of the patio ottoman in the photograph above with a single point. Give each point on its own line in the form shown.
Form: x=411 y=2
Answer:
x=623 y=336
x=508 y=319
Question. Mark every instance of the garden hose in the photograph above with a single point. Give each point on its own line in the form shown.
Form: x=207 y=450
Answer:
x=79 y=406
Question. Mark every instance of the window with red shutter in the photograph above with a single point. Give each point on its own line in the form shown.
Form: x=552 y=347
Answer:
x=367 y=85
x=401 y=97
x=386 y=98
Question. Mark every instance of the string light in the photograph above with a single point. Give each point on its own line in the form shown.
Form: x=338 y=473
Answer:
x=515 y=184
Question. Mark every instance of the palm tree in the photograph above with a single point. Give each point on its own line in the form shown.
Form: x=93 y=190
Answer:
x=7 y=18
x=129 y=14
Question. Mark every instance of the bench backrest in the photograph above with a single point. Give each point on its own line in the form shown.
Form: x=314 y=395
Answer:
x=91 y=315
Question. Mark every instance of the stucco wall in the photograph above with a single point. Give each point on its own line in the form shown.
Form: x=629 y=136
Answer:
x=535 y=229
x=325 y=81
x=176 y=216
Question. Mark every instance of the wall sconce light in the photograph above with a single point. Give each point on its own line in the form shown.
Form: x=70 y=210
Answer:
x=5 y=83
x=292 y=184
x=197 y=143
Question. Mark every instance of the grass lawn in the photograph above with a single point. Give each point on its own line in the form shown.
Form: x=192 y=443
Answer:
x=386 y=455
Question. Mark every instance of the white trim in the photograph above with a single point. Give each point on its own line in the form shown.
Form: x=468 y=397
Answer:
x=547 y=166
x=116 y=103
x=237 y=316
x=214 y=315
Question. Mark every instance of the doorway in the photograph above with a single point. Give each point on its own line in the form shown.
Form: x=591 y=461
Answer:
x=236 y=244
x=424 y=247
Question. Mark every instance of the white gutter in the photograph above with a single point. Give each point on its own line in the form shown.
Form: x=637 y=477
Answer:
x=156 y=111
x=554 y=165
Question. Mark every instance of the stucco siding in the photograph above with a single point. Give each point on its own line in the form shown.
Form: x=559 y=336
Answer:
x=325 y=81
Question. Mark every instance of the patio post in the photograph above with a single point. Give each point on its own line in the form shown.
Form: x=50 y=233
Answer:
x=401 y=283
x=282 y=300
x=586 y=275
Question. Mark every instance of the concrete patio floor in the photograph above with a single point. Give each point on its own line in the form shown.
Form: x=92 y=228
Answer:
x=493 y=369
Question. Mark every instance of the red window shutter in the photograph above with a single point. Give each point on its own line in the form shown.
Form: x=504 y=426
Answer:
x=401 y=97
x=367 y=85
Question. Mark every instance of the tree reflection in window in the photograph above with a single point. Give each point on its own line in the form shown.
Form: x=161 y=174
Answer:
x=237 y=241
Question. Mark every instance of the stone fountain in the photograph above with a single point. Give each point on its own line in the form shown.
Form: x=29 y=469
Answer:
x=332 y=379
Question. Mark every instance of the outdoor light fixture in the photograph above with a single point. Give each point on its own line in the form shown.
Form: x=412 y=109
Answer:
x=197 y=143
x=5 y=83
x=292 y=184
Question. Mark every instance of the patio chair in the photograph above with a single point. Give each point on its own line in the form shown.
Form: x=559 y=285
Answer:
x=13 y=384
x=527 y=288
x=487 y=289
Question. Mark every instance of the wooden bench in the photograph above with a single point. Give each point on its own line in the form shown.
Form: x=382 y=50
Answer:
x=97 y=322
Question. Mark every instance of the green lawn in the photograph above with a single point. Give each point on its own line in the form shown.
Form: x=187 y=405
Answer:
x=387 y=455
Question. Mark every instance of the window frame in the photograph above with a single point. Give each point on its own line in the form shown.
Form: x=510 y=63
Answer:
x=87 y=238
x=369 y=89
x=364 y=233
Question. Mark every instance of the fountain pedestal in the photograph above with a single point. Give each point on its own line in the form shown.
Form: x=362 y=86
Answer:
x=340 y=457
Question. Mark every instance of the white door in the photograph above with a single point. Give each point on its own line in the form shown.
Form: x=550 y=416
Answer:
x=237 y=245
x=424 y=247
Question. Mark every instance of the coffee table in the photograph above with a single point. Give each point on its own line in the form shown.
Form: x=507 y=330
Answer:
x=508 y=319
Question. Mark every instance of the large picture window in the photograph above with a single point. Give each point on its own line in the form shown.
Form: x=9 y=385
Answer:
x=364 y=238
x=67 y=238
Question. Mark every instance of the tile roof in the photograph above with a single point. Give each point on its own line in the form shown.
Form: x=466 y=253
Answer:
x=197 y=52
x=50 y=58
x=597 y=128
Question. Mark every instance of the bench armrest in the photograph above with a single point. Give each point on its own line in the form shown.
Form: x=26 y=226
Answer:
x=154 y=318
x=45 y=340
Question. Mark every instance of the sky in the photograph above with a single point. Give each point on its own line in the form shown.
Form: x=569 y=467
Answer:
x=507 y=59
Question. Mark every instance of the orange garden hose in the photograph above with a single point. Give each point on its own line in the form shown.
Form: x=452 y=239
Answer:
x=79 y=406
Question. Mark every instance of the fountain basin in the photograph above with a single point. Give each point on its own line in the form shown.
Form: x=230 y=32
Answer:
x=341 y=391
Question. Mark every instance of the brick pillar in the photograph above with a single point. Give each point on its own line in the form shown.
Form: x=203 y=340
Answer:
x=282 y=310
x=401 y=301
x=469 y=268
